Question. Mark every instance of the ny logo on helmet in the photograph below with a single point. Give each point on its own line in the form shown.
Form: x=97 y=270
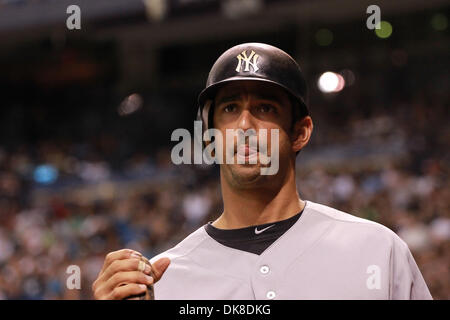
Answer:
x=242 y=57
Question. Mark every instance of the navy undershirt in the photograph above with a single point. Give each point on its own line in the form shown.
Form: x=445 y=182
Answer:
x=247 y=239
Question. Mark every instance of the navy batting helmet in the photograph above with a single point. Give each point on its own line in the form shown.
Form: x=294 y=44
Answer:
x=254 y=62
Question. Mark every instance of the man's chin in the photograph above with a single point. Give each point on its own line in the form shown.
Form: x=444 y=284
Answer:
x=245 y=174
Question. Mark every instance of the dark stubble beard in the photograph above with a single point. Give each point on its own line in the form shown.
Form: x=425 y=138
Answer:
x=239 y=179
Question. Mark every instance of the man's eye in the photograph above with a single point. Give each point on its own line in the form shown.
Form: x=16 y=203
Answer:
x=229 y=108
x=265 y=108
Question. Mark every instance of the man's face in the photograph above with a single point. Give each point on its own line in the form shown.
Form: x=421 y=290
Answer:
x=253 y=105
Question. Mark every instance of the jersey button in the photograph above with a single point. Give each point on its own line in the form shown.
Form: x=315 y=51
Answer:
x=270 y=295
x=264 y=269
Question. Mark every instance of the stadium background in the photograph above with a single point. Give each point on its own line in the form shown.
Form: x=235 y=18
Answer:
x=86 y=118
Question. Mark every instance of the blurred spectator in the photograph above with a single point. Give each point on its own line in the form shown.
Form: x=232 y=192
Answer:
x=381 y=169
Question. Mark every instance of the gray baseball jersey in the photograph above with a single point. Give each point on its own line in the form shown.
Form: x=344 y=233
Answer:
x=326 y=254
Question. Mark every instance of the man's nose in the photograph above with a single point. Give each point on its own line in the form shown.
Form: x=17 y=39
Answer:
x=246 y=120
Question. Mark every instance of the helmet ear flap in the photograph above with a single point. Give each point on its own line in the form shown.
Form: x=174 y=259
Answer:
x=205 y=115
x=211 y=115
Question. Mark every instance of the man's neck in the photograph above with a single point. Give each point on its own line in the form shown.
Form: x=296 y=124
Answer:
x=243 y=208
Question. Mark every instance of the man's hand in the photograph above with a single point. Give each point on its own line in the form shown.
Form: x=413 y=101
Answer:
x=120 y=276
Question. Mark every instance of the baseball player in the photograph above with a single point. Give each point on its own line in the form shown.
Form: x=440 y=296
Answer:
x=268 y=243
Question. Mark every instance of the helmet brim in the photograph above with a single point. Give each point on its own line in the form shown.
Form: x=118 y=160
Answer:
x=210 y=92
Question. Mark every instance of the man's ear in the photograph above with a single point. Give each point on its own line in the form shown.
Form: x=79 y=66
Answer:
x=301 y=133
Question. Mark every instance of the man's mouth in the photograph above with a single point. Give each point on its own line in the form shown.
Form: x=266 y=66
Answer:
x=245 y=153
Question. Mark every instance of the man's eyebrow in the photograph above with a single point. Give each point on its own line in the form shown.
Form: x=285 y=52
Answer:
x=267 y=96
x=229 y=98
x=259 y=96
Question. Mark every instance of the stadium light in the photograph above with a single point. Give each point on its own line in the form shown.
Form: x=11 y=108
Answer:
x=45 y=174
x=156 y=9
x=331 y=82
x=130 y=104
x=324 y=37
x=384 y=31
x=439 y=22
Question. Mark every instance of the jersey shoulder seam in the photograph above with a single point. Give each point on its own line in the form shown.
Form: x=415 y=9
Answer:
x=189 y=250
x=357 y=219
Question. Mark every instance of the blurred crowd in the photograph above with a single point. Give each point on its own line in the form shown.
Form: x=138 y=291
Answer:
x=391 y=166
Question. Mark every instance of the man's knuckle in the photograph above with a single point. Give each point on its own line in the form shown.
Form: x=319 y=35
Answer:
x=142 y=277
x=115 y=293
x=115 y=266
x=125 y=252
x=96 y=295
x=108 y=257
x=115 y=277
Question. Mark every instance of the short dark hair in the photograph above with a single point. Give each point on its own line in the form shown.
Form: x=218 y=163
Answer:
x=299 y=111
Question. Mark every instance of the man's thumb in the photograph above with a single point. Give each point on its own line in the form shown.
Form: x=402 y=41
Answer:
x=159 y=267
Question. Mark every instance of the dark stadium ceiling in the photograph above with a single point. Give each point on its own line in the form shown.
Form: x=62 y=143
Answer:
x=23 y=14
x=182 y=21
